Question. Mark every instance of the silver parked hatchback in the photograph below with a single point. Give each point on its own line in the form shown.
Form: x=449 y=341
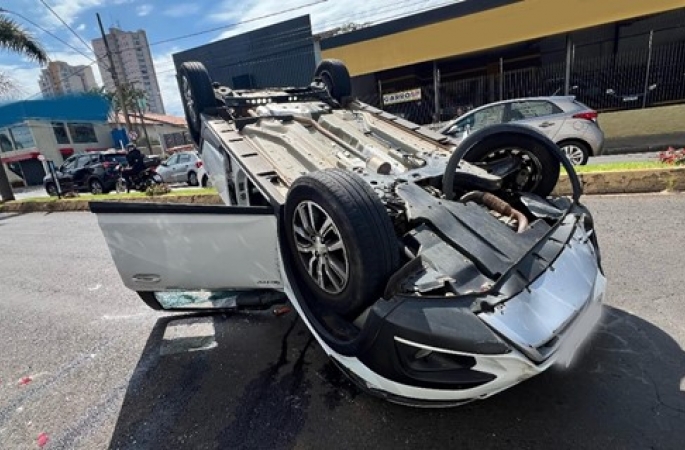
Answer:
x=184 y=167
x=566 y=121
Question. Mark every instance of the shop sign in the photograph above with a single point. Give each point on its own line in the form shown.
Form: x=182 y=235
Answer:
x=413 y=95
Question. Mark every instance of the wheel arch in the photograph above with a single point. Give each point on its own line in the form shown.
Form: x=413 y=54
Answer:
x=516 y=130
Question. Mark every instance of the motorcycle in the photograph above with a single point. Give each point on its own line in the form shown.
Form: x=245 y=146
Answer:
x=140 y=181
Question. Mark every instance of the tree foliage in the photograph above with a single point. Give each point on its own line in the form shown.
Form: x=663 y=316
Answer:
x=15 y=39
x=134 y=98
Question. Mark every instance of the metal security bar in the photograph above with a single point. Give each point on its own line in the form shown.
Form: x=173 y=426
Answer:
x=641 y=77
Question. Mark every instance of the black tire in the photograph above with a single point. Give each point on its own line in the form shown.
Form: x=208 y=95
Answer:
x=51 y=189
x=192 y=179
x=197 y=94
x=151 y=180
x=581 y=147
x=334 y=74
x=536 y=156
x=369 y=243
x=205 y=181
x=96 y=187
x=120 y=186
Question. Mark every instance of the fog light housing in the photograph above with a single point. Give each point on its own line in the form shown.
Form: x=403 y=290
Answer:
x=440 y=368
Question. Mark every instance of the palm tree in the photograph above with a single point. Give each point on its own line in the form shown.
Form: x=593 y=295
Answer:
x=15 y=39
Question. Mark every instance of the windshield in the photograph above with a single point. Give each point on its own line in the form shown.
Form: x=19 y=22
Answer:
x=118 y=158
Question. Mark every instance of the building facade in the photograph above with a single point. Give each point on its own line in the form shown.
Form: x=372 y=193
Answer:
x=52 y=128
x=283 y=54
x=133 y=64
x=433 y=65
x=60 y=78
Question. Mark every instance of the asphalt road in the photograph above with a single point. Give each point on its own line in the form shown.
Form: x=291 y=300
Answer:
x=108 y=373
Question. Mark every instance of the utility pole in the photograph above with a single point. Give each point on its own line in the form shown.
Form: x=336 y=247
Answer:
x=115 y=77
x=6 y=193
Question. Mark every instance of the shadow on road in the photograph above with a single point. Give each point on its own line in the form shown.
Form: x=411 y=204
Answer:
x=5 y=216
x=258 y=381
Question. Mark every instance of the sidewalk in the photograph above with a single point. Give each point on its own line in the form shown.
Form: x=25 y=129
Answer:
x=643 y=144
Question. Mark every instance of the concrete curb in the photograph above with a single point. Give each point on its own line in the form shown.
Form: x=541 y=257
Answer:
x=82 y=205
x=600 y=183
x=627 y=182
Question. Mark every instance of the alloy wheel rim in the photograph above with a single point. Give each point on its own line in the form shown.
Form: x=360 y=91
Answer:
x=96 y=187
x=320 y=247
x=574 y=154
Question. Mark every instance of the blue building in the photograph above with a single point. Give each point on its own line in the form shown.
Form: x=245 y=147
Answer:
x=54 y=128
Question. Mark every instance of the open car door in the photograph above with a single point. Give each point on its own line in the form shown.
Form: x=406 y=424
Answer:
x=194 y=256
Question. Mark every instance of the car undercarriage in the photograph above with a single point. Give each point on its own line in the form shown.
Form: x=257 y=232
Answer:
x=431 y=273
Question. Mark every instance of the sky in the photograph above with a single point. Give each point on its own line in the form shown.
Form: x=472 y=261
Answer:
x=165 y=20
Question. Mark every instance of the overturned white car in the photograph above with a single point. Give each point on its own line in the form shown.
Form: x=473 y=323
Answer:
x=432 y=274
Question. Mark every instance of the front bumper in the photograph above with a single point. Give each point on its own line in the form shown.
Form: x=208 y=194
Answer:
x=430 y=353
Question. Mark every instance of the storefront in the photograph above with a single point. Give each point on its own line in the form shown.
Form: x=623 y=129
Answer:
x=55 y=129
x=431 y=66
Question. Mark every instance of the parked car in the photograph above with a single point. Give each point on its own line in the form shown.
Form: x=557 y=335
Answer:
x=427 y=279
x=566 y=121
x=184 y=167
x=93 y=172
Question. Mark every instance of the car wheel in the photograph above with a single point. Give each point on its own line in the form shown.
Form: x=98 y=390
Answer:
x=206 y=182
x=192 y=179
x=341 y=239
x=576 y=152
x=121 y=186
x=197 y=94
x=51 y=189
x=536 y=170
x=95 y=187
x=335 y=76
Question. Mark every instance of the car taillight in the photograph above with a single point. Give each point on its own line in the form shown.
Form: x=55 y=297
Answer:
x=198 y=164
x=587 y=115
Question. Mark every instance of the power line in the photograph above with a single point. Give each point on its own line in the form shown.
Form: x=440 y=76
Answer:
x=235 y=24
x=279 y=36
x=46 y=31
x=332 y=23
x=66 y=25
x=280 y=40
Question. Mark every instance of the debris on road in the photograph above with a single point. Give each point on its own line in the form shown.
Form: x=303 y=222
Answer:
x=43 y=439
x=25 y=380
